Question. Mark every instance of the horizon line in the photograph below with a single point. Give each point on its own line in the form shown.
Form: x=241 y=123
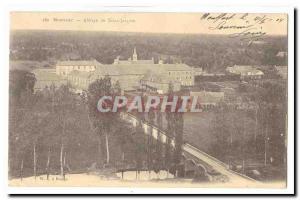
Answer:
x=137 y=32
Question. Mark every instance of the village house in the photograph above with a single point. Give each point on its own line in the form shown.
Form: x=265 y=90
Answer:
x=282 y=54
x=245 y=71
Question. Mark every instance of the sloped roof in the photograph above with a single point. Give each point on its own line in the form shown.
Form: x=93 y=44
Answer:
x=121 y=69
x=43 y=70
x=140 y=69
x=176 y=67
x=281 y=53
x=144 y=61
x=208 y=97
x=132 y=62
x=123 y=62
x=244 y=69
x=78 y=63
x=46 y=75
x=158 y=78
x=81 y=74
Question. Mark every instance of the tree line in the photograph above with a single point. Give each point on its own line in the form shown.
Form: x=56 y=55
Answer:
x=55 y=131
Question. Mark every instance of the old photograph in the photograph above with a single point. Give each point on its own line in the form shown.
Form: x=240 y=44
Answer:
x=160 y=100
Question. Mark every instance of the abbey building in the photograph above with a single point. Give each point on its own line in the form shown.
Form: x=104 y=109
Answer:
x=132 y=74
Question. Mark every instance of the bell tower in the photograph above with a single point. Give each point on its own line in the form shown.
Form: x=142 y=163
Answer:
x=134 y=56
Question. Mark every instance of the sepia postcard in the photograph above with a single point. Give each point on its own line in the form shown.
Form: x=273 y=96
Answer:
x=149 y=100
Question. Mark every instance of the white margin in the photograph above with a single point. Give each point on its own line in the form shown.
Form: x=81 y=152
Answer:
x=155 y=6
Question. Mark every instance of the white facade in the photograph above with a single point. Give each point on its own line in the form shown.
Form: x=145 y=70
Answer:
x=64 y=68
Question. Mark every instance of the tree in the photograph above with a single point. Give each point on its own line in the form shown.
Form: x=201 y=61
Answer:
x=170 y=131
x=178 y=118
x=20 y=81
x=62 y=106
x=220 y=134
x=117 y=88
x=140 y=147
x=103 y=122
x=150 y=140
x=158 y=159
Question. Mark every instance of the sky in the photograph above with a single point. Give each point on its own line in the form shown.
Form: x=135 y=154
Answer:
x=194 y=23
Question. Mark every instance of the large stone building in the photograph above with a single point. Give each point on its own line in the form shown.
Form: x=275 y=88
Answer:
x=45 y=78
x=208 y=100
x=158 y=83
x=132 y=73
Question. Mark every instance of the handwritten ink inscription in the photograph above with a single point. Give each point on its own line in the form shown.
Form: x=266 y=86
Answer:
x=244 y=26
